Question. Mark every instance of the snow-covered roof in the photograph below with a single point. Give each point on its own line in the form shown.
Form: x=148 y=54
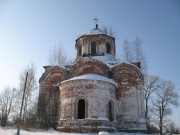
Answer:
x=107 y=59
x=92 y=77
x=52 y=66
x=96 y=31
x=133 y=66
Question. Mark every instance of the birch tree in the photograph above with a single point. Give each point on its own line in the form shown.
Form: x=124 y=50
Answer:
x=57 y=56
x=7 y=98
x=108 y=30
x=30 y=88
x=138 y=54
x=151 y=84
x=166 y=97
x=127 y=52
x=133 y=52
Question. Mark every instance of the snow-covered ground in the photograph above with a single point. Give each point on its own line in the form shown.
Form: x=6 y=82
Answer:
x=8 y=131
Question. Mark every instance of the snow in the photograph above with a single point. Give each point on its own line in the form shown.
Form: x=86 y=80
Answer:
x=5 y=131
x=134 y=66
x=104 y=133
x=107 y=59
x=94 y=32
x=10 y=131
x=142 y=120
x=99 y=118
x=92 y=77
x=111 y=62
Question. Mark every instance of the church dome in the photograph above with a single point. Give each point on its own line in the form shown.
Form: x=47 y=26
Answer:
x=95 y=43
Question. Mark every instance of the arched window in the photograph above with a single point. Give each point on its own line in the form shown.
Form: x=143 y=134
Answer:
x=108 y=48
x=110 y=111
x=81 y=109
x=93 y=48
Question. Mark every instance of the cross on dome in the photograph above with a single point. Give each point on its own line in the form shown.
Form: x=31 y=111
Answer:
x=96 y=22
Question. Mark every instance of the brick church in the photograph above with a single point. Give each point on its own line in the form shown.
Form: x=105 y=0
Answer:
x=95 y=93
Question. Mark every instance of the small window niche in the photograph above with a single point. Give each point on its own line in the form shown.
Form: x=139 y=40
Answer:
x=80 y=51
x=93 y=48
x=108 y=48
x=110 y=111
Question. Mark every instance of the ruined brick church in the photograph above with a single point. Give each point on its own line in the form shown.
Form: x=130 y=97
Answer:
x=95 y=93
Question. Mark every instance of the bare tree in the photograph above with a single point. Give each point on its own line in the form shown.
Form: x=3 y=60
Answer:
x=172 y=128
x=127 y=52
x=30 y=88
x=7 y=98
x=57 y=55
x=165 y=98
x=108 y=30
x=151 y=84
x=138 y=54
x=133 y=52
x=31 y=115
x=137 y=49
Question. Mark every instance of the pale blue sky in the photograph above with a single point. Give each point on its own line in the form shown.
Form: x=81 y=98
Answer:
x=30 y=28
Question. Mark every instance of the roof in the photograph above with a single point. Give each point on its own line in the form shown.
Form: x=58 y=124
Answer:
x=107 y=59
x=95 y=31
x=92 y=77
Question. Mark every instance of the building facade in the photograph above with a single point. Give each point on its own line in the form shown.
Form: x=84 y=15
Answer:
x=94 y=93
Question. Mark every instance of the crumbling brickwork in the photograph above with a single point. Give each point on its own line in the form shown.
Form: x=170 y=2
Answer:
x=48 y=103
x=95 y=93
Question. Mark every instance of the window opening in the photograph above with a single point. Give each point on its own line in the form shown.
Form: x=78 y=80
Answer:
x=110 y=111
x=81 y=109
x=108 y=48
x=79 y=50
x=93 y=47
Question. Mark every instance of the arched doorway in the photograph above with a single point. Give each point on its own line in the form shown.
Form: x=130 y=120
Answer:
x=81 y=109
